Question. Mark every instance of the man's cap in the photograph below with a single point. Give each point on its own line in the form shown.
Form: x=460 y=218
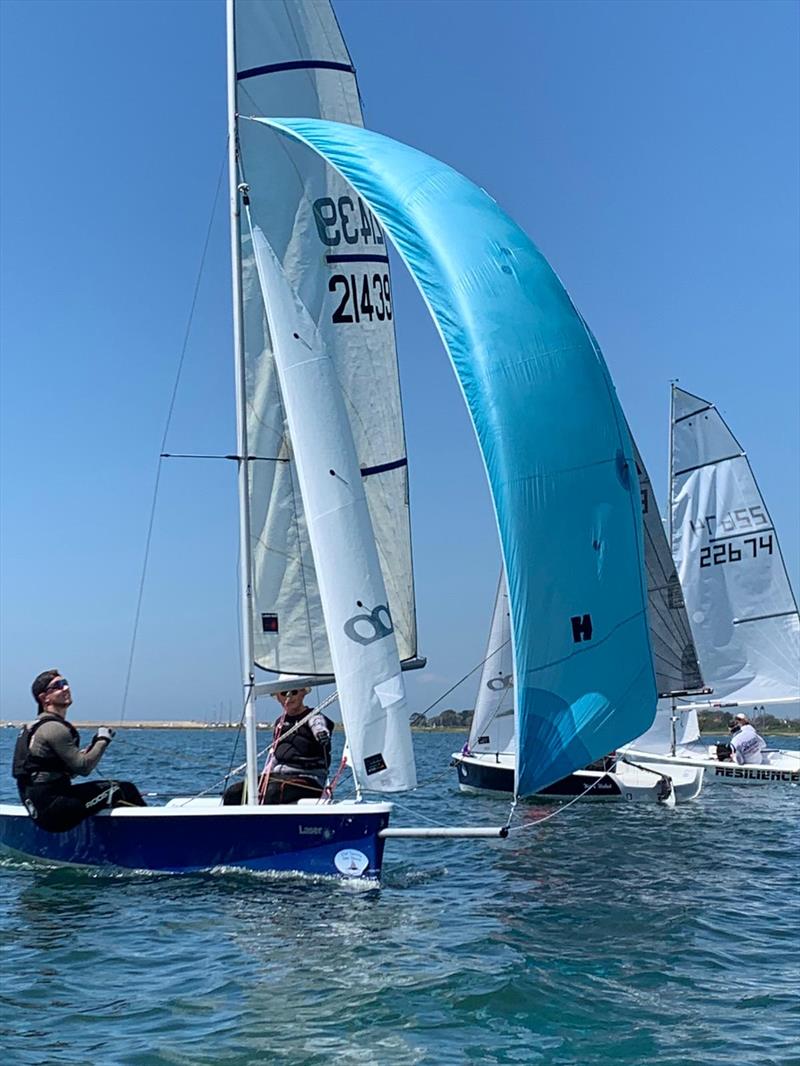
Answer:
x=42 y=681
x=742 y=716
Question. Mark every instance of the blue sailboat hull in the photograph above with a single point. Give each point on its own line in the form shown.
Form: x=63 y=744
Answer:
x=339 y=840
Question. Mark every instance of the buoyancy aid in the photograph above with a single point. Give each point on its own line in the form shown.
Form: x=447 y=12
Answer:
x=25 y=765
x=302 y=749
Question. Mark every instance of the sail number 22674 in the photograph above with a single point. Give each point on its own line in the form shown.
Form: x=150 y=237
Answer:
x=730 y=552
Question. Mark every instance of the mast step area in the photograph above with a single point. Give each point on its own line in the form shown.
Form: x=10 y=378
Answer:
x=435 y=832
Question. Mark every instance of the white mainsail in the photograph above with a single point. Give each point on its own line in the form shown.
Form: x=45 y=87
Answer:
x=291 y=60
x=352 y=592
x=492 y=728
x=739 y=598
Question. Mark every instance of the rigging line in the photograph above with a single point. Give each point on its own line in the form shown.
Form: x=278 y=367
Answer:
x=644 y=769
x=547 y=817
x=170 y=410
x=464 y=678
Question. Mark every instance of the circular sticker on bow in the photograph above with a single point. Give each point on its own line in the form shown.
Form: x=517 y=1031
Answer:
x=350 y=862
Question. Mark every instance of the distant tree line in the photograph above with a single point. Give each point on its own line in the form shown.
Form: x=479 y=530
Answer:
x=710 y=721
x=721 y=721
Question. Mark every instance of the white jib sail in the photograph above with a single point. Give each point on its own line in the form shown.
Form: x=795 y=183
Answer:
x=740 y=602
x=664 y=733
x=353 y=595
x=492 y=727
x=291 y=60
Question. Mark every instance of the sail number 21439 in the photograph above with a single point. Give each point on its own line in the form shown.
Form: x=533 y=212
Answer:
x=364 y=293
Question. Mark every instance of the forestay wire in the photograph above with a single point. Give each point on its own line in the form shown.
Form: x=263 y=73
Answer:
x=461 y=681
x=170 y=410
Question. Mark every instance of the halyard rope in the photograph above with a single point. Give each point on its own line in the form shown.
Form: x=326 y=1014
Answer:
x=170 y=410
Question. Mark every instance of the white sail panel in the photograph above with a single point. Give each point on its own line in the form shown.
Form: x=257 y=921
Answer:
x=291 y=60
x=492 y=727
x=658 y=739
x=740 y=602
x=674 y=653
x=353 y=596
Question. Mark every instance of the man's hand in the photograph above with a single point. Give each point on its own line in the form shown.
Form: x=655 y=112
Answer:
x=103 y=733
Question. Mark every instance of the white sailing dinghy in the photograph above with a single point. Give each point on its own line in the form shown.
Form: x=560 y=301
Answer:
x=739 y=598
x=549 y=426
x=486 y=764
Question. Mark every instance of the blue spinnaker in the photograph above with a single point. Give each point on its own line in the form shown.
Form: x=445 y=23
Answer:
x=553 y=437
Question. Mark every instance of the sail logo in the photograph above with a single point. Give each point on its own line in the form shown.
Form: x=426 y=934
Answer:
x=499 y=684
x=369 y=627
x=581 y=628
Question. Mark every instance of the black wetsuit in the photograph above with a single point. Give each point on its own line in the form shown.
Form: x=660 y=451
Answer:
x=46 y=757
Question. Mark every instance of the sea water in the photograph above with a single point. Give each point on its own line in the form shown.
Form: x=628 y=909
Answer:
x=620 y=934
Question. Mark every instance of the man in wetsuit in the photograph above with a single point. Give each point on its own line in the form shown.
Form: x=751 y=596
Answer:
x=746 y=744
x=47 y=756
x=301 y=754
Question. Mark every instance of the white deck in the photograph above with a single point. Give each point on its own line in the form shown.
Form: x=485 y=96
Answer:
x=199 y=807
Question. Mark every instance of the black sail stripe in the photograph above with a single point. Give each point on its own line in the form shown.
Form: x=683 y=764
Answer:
x=763 y=617
x=757 y=532
x=357 y=258
x=699 y=411
x=296 y=64
x=381 y=468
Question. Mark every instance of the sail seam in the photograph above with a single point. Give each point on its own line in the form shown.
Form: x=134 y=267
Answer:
x=711 y=462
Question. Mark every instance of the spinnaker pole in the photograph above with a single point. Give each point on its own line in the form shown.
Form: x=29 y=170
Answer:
x=245 y=564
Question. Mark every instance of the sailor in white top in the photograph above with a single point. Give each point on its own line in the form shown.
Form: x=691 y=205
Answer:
x=746 y=744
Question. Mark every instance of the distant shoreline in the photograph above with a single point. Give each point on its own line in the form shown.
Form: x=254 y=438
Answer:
x=157 y=724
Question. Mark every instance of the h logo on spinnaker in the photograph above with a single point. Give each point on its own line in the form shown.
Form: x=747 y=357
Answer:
x=581 y=628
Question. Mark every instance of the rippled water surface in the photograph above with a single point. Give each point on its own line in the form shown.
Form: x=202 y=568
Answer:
x=611 y=934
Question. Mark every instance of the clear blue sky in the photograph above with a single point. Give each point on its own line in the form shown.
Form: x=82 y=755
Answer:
x=650 y=149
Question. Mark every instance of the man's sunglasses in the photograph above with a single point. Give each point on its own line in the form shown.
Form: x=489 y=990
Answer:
x=55 y=685
x=291 y=692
